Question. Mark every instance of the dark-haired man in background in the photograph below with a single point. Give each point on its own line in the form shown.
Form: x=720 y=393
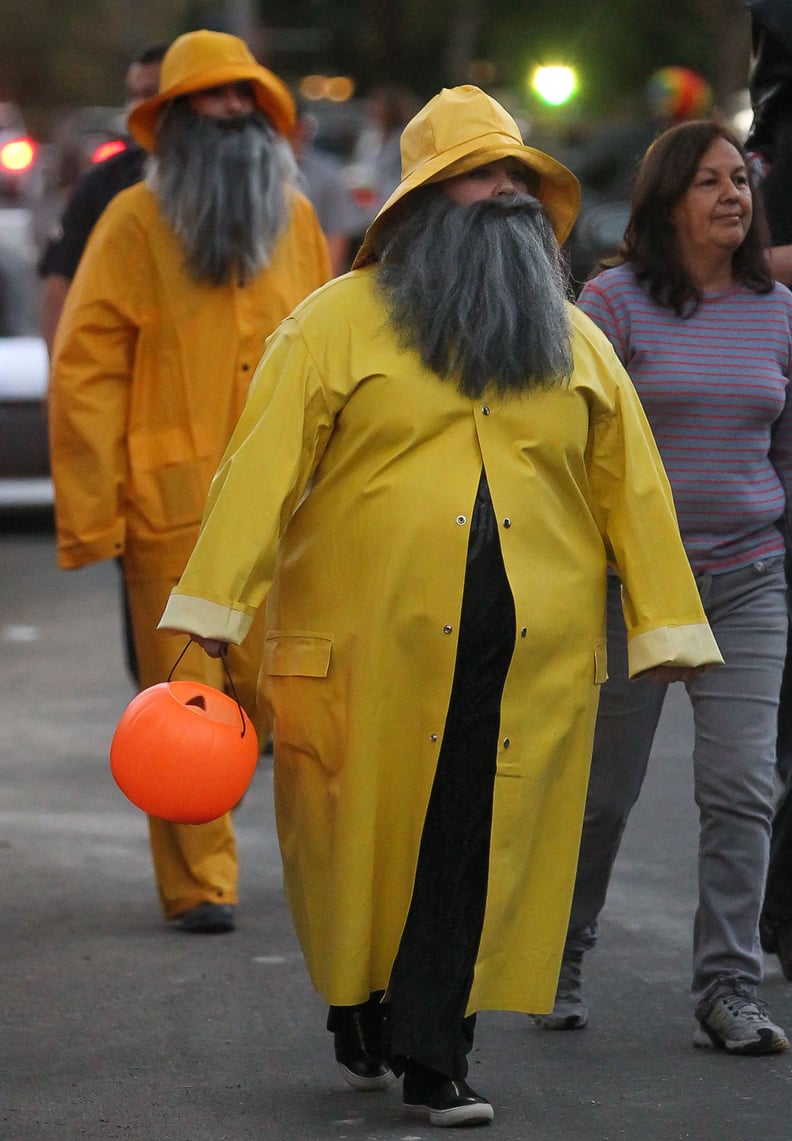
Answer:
x=97 y=186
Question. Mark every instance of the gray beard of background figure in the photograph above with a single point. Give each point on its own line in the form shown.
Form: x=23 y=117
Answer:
x=222 y=185
x=479 y=291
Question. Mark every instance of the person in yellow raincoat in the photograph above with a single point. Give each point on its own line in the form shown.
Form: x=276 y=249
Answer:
x=438 y=460
x=182 y=280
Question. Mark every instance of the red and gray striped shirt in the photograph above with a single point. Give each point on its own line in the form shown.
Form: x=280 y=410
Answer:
x=715 y=389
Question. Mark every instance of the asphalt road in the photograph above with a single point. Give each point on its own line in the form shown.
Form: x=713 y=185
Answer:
x=114 y=1026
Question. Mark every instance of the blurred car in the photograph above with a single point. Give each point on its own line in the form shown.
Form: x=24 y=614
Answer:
x=18 y=156
x=24 y=369
x=84 y=137
x=24 y=453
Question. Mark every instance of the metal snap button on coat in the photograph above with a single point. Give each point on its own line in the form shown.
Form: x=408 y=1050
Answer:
x=507 y=523
x=506 y=742
x=447 y=629
x=524 y=632
x=461 y=520
x=485 y=409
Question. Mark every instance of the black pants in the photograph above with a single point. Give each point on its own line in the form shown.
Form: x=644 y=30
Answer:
x=784 y=742
x=777 y=906
x=432 y=975
x=130 y=652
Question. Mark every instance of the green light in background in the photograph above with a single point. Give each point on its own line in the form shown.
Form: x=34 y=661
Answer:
x=554 y=85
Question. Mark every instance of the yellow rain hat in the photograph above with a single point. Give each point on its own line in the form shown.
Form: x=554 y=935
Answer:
x=462 y=128
x=199 y=60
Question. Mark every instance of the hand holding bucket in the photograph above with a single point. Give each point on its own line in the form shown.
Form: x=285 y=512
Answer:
x=184 y=751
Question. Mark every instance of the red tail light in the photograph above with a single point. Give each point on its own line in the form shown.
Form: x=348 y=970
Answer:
x=18 y=155
x=365 y=196
x=106 y=150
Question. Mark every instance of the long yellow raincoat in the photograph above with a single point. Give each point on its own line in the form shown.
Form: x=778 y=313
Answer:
x=150 y=372
x=345 y=498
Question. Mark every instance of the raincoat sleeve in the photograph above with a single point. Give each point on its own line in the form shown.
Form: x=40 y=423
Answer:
x=632 y=499
x=89 y=388
x=276 y=446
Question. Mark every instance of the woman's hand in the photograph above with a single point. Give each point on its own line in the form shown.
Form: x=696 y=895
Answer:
x=211 y=646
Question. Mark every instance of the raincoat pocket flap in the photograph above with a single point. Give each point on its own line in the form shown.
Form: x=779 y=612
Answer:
x=306 y=655
x=600 y=663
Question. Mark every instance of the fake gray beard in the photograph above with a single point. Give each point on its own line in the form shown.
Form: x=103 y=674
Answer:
x=223 y=189
x=479 y=292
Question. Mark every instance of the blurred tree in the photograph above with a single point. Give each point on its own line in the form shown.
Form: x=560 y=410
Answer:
x=75 y=51
x=613 y=44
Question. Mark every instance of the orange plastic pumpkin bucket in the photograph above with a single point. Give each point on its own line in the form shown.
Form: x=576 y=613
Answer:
x=184 y=752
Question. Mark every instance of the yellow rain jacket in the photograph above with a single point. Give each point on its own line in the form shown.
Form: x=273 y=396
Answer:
x=345 y=498
x=150 y=372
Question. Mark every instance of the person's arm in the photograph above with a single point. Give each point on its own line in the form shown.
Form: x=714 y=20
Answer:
x=668 y=632
x=88 y=399
x=63 y=251
x=781 y=441
x=53 y=298
x=278 y=440
x=632 y=501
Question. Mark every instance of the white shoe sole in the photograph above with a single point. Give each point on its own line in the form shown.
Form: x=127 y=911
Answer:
x=365 y=1085
x=553 y=1021
x=766 y=1045
x=477 y=1114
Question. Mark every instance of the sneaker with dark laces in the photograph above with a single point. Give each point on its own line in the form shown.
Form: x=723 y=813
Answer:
x=738 y=1023
x=569 y=1009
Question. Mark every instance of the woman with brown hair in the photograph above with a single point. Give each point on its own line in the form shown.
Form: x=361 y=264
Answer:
x=706 y=335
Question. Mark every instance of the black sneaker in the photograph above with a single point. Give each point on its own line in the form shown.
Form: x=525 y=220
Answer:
x=359 y=1059
x=445 y=1101
x=363 y=1073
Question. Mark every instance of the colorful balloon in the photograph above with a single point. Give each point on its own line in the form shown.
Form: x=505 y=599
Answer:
x=675 y=94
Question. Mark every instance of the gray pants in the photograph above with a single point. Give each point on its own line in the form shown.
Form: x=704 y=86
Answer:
x=735 y=714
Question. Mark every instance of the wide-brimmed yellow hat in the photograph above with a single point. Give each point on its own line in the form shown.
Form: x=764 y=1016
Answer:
x=198 y=60
x=462 y=128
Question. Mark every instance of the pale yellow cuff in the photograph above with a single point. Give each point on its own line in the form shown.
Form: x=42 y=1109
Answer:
x=191 y=615
x=673 y=646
